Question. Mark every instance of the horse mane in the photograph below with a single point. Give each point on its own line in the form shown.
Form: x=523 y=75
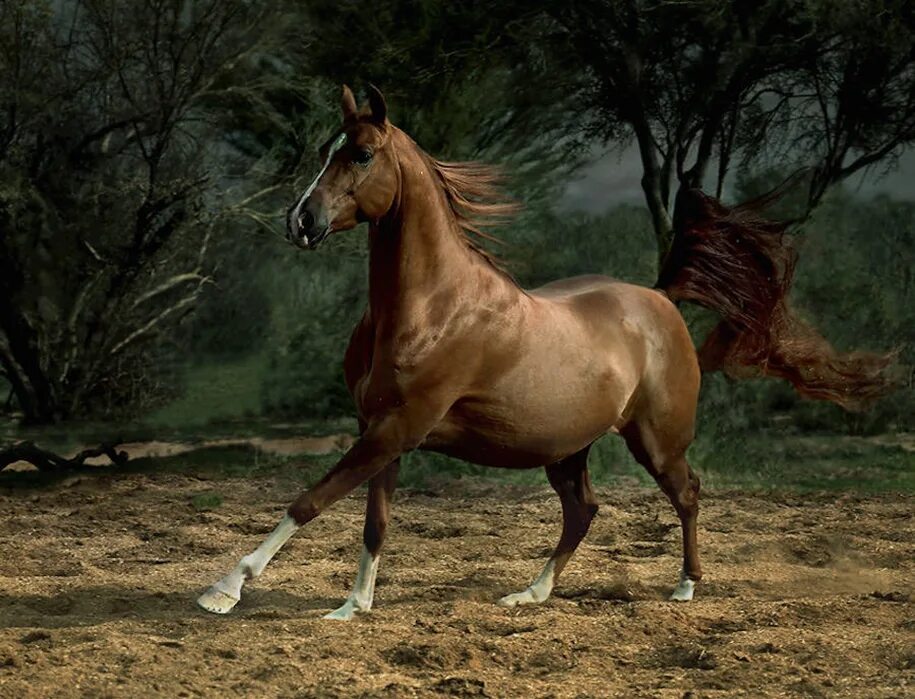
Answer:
x=474 y=194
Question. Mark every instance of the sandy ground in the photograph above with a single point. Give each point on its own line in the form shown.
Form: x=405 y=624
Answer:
x=804 y=596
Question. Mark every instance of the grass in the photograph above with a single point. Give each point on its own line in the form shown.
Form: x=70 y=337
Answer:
x=807 y=463
x=216 y=391
x=221 y=400
x=206 y=501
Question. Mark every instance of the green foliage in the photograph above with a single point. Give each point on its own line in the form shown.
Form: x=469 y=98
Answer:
x=216 y=390
x=317 y=301
x=203 y=502
x=103 y=191
x=545 y=245
x=510 y=83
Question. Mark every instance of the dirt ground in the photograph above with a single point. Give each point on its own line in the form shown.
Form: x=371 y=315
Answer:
x=804 y=596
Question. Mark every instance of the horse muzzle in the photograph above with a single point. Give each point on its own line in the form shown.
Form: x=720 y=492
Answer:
x=303 y=231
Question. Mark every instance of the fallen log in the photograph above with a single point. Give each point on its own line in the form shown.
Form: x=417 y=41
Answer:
x=45 y=460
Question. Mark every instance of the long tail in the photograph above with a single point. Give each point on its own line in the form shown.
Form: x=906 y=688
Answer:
x=736 y=262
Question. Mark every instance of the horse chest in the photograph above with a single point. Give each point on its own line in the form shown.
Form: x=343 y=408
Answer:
x=381 y=386
x=388 y=365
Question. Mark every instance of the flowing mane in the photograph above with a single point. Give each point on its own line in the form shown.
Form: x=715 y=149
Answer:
x=474 y=193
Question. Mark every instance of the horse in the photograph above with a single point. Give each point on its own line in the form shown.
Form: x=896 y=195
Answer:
x=452 y=355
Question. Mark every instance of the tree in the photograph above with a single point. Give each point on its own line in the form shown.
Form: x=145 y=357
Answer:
x=103 y=189
x=827 y=85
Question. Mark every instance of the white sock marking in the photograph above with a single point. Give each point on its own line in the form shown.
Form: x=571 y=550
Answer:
x=360 y=599
x=225 y=593
x=683 y=592
x=538 y=591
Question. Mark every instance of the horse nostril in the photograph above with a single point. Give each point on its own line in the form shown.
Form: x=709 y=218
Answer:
x=306 y=221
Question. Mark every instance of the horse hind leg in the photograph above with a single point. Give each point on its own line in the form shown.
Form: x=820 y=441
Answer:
x=570 y=480
x=377 y=515
x=681 y=486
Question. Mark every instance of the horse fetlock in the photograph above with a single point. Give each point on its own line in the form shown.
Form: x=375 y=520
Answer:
x=363 y=602
x=528 y=596
x=353 y=605
x=539 y=594
x=535 y=594
x=251 y=566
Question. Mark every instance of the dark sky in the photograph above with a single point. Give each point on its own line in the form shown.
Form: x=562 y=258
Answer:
x=614 y=178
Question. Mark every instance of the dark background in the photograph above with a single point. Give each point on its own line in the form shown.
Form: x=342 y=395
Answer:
x=149 y=148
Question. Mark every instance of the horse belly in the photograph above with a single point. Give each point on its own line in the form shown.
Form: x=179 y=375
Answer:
x=534 y=418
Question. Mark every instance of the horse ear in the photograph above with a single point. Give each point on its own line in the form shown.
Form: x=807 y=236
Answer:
x=377 y=104
x=348 y=104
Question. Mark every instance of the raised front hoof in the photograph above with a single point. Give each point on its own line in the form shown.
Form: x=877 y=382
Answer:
x=683 y=592
x=217 y=601
x=345 y=613
x=517 y=599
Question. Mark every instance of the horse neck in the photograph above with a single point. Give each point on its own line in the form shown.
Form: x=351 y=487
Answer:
x=417 y=254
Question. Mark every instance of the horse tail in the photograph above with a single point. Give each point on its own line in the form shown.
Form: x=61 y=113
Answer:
x=739 y=264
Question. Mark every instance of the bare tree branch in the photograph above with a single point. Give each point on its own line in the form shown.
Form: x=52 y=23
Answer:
x=49 y=461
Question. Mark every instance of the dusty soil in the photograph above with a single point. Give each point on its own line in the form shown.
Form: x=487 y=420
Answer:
x=803 y=596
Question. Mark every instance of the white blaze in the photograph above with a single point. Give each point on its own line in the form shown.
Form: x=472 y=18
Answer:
x=338 y=143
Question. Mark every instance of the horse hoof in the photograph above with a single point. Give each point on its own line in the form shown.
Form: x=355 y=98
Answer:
x=217 y=601
x=517 y=599
x=344 y=613
x=683 y=592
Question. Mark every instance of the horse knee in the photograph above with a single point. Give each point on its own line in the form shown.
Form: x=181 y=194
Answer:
x=686 y=501
x=303 y=509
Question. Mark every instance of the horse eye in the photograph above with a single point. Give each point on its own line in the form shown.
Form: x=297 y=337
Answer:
x=362 y=157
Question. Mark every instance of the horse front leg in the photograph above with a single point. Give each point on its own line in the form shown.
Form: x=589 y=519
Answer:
x=225 y=593
x=381 y=444
x=377 y=515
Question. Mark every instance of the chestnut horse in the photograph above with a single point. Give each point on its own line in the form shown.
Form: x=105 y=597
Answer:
x=453 y=356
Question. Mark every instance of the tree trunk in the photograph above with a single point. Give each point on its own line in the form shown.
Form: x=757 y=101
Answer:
x=21 y=360
x=653 y=187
